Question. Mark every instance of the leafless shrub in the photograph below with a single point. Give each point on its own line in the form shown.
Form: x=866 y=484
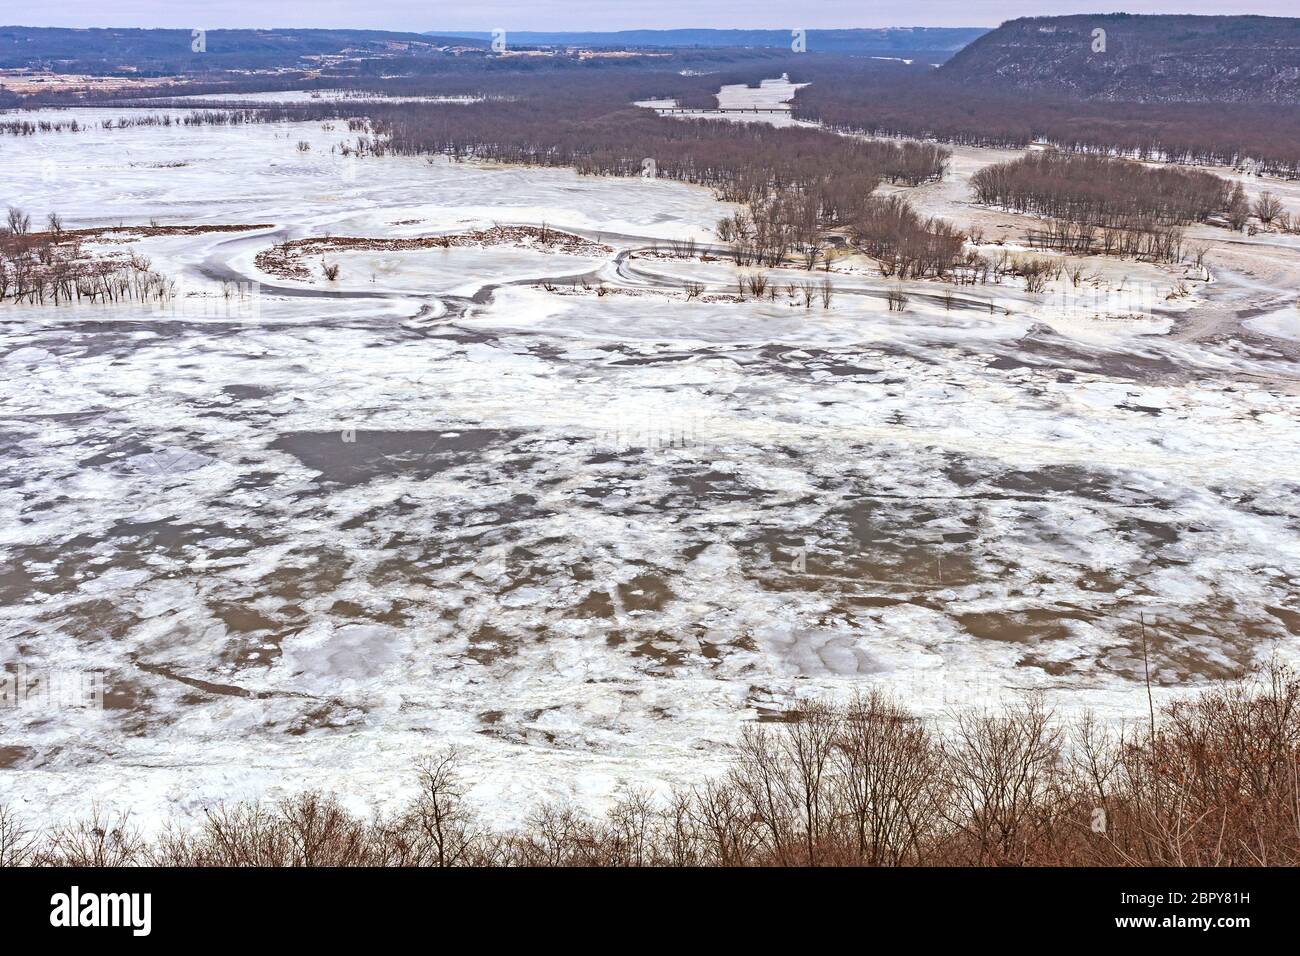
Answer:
x=683 y=248
x=99 y=840
x=305 y=830
x=809 y=291
x=1037 y=273
x=1215 y=783
x=1199 y=252
x=1266 y=207
x=17 y=843
x=810 y=251
x=554 y=835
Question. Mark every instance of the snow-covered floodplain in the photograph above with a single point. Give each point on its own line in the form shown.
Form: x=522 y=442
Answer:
x=552 y=508
x=282 y=97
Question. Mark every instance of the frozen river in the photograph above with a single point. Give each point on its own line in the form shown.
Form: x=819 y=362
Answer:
x=312 y=530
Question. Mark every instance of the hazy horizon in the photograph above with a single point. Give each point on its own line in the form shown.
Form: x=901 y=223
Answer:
x=584 y=15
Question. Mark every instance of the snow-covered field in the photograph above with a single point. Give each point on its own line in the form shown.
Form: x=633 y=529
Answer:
x=312 y=530
x=359 y=97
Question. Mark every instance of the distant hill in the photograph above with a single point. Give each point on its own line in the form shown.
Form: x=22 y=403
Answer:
x=154 y=51
x=896 y=40
x=1243 y=59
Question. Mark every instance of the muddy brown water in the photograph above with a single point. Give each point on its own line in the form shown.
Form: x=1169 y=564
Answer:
x=352 y=458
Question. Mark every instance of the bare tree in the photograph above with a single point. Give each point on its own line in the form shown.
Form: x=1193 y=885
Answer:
x=728 y=828
x=890 y=769
x=1267 y=207
x=17 y=843
x=763 y=778
x=18 y=222
x=444 y=828
x=809 y=291
x=1238 y=208
x=1003 y=767
x=1213 y=782
x=101 y=839
x=808 y=744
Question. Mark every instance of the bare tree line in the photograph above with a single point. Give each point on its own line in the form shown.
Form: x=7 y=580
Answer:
x=49 y=268
x=889 y=230
x=1101 y=191
x=796 y=182
x=1097 y=205
x=758 y=285
x=852 y=96
x=597 y=134
x=1210 y=780
x=74 y=125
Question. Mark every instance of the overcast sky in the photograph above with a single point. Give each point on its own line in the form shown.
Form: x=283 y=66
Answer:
x=425 y=15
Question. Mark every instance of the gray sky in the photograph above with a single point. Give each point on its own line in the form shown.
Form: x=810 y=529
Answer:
x=423 y=15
